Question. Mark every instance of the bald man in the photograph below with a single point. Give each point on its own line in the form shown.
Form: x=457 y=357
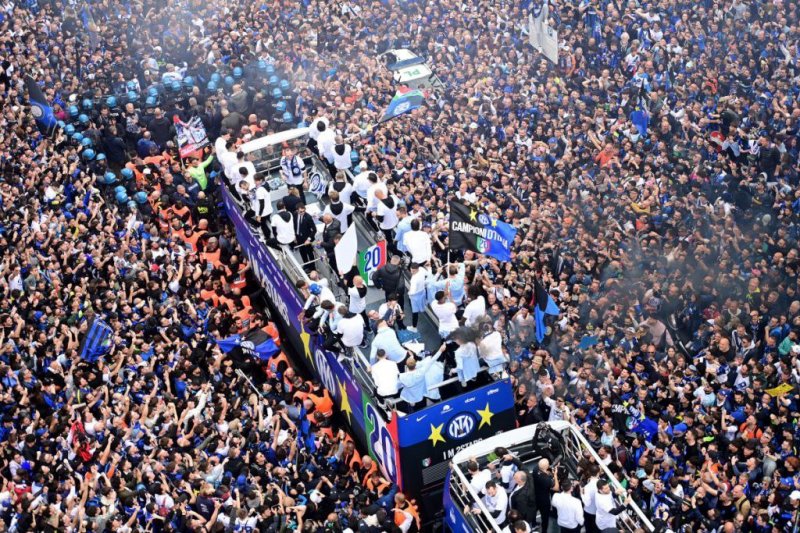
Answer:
x=544 y=484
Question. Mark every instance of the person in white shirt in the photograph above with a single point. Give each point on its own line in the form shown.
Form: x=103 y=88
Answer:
x=261 y=206
x=445 y=311
x=418 y=243
x=227 y=161
x=341 y=154
x=476 y=307
x=245 y=183
x=478 y=477
x=358 y=297
x=292 y=167
x=375 y=185
x=339 y=210
x=243 y=164
x=495 y=499
x=417 y=293
x=326 y=143
x=607 y=510
x=351 y=328
x=490 y=348
x=314 y=130
x=386 y=214
x=558 y=407
x=343 y=187
x=588 y=495
x=283 y=226
x=221 y=144
x=386 y=376
x=362 y=183
x=569 y=509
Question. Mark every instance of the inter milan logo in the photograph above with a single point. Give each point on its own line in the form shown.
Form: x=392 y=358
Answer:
x=37 y=111
x=484 y=219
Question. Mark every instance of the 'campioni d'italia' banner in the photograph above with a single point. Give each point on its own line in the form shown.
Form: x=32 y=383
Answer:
x=476 y=231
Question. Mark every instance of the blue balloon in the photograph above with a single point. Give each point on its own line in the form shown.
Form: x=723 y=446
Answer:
x=141 y=197
x=69 y=129
x=238 y=72
x=86 y=141
x=127 y=173
x=111 y=101
x=88 y=154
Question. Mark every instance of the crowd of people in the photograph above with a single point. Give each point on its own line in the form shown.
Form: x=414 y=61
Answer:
x=669 y=245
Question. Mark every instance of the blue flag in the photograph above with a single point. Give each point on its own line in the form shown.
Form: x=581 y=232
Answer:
x=471 y=230
x=543 y=305
x=97 y=341
x=641 y=120
x=403 y=102
x=254 y=343
x=89 y=26
x=40 y=109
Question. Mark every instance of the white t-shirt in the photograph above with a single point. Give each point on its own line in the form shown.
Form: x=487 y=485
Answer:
x=389 y=214
x=446 y=313
x=386 y=377
x=259 y=194
x=418 y=244
x=474 y=310
x=352 y=331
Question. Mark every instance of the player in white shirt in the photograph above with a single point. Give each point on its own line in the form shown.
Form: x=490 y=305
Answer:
x=476 y=307
x=292 y=169
x=570 y=511
x=418 y=243
x=417 y=293
x=445 y=311
x=386 y=376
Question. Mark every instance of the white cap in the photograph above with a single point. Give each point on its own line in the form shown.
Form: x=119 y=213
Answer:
x=795 y=495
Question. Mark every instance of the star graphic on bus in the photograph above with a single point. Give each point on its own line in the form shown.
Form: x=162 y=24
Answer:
x=436 y=434
x=345 y=407
x=486 y=416
x=305 y=338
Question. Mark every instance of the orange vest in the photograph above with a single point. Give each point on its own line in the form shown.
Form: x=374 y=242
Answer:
x=411 y=509
x=324 y=403
x=210 y=296
x=192 y=239
x=274 y=364
x=212 y=257
x=240 y=281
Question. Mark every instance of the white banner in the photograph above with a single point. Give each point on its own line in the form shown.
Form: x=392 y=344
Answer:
x=347 y=249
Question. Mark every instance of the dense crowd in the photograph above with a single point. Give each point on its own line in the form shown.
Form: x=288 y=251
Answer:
x=671 y=250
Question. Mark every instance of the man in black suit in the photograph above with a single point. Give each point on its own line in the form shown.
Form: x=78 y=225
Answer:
x=331 y=233
x=523 y=498
x=305 y=230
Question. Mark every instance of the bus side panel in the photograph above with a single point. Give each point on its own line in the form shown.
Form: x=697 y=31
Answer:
x=453 y=518
x=286 y=304
x=429 y=438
